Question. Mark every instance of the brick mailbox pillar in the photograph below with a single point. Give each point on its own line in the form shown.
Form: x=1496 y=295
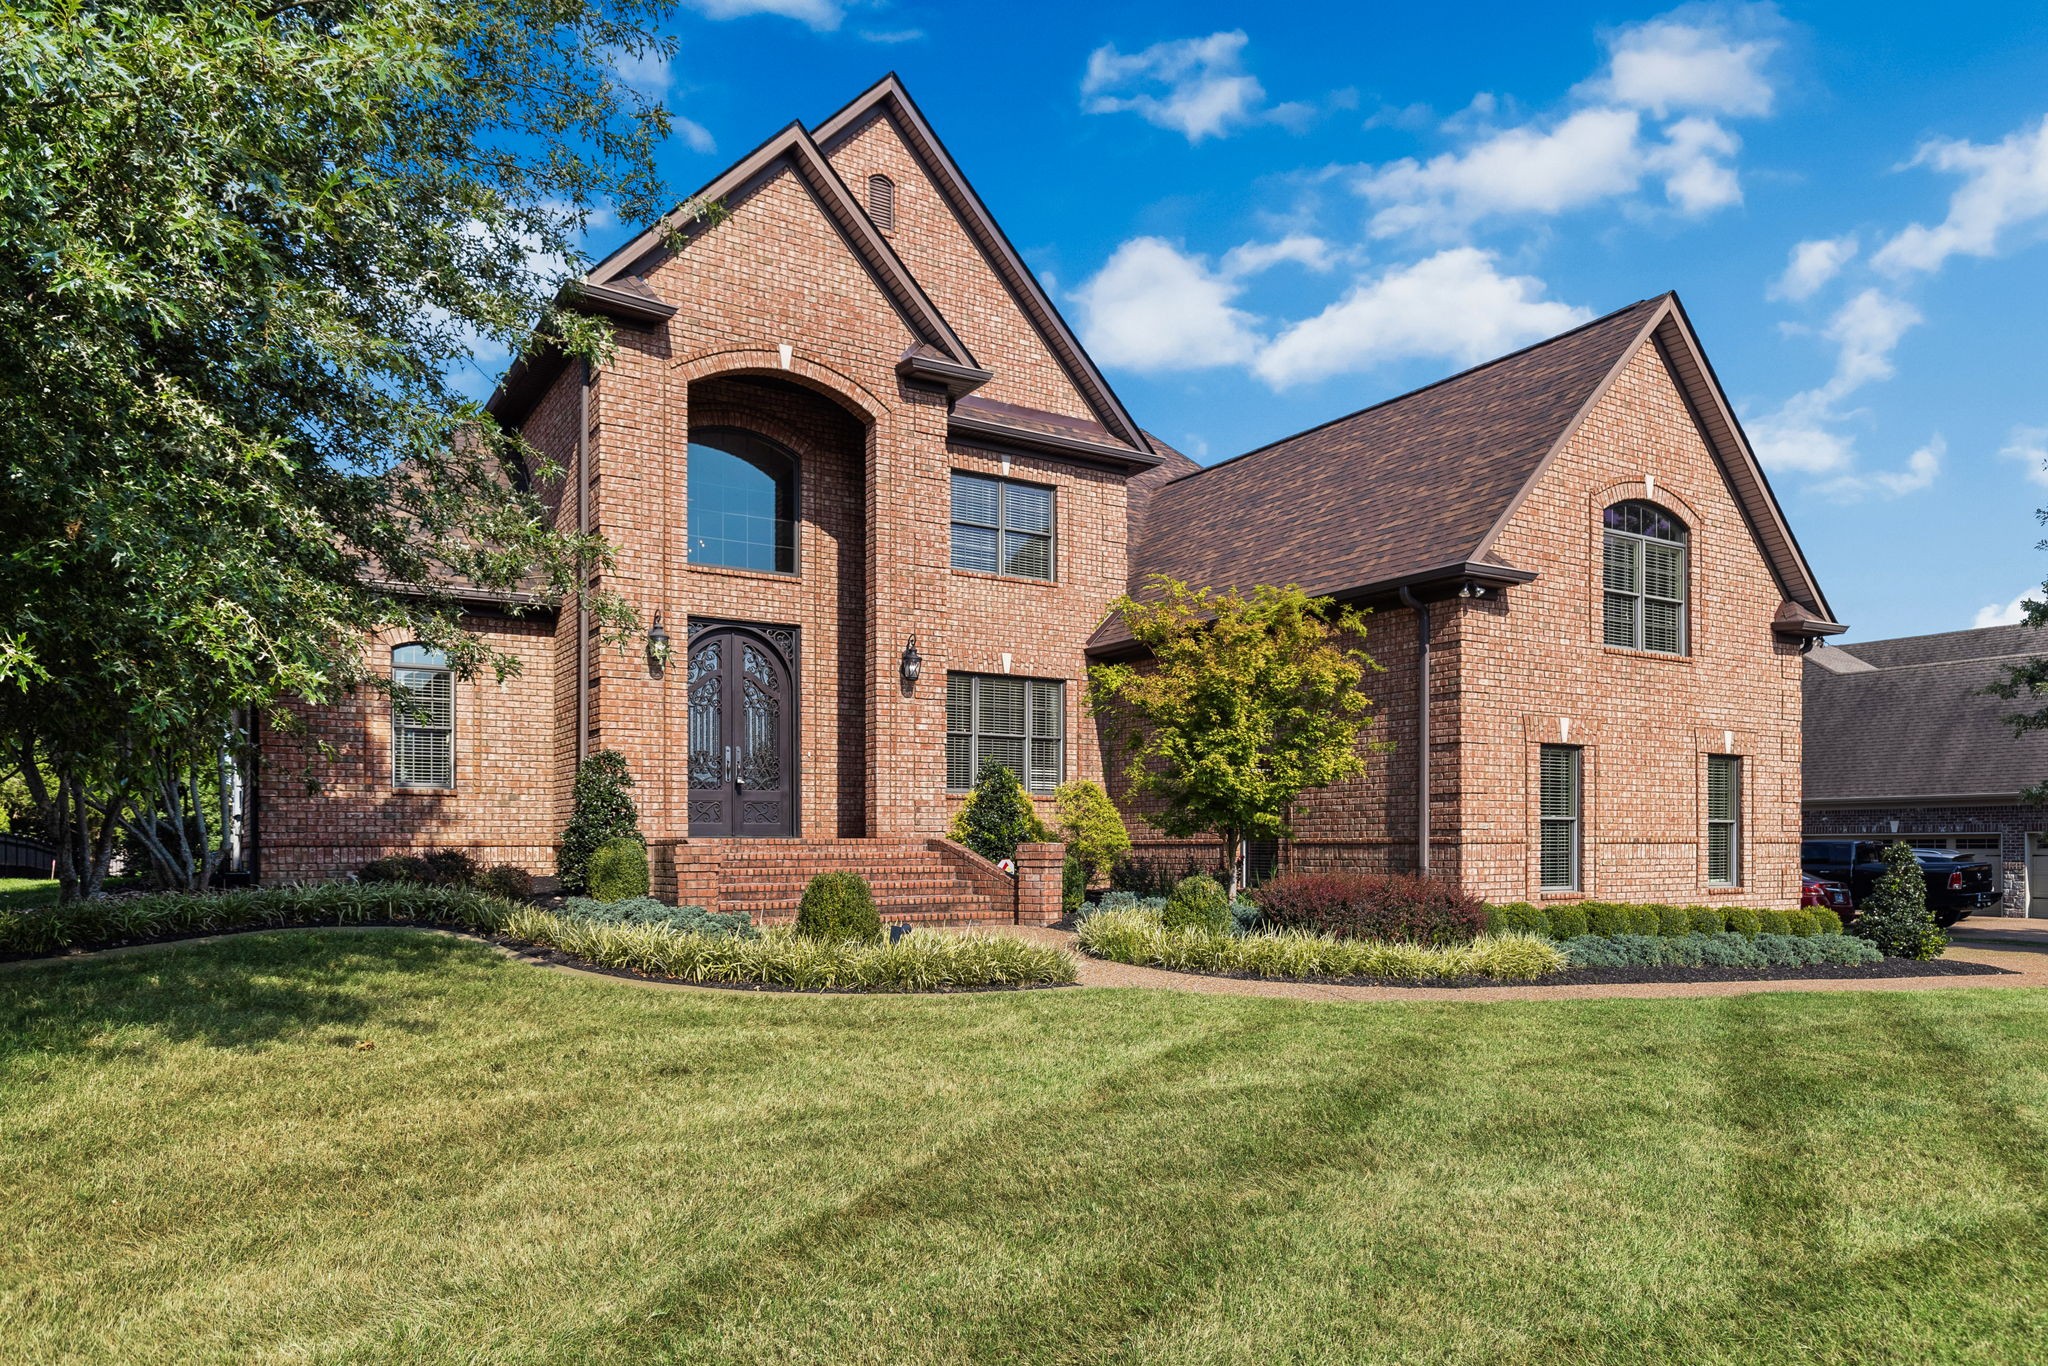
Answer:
x=1038 y=883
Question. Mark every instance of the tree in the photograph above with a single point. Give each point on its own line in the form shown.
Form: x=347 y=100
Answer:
x=1895 y=916
x=998 y=815
x=247 y=254
x=1094 y=830
x=1244 y=704
x=600 y=811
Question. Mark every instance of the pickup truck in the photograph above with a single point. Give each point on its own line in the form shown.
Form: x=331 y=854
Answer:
x=1956 y=885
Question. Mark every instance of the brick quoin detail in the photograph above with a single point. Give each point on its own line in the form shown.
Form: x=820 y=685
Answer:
x=782 y=326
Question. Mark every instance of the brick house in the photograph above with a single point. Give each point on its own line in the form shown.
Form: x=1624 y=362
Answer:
x=1903 y=743
x=846 y=430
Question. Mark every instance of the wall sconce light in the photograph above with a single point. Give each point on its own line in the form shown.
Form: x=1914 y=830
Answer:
x=658 y=647
x=913 y=662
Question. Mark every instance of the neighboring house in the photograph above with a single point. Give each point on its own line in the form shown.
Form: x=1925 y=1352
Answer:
x=846 y=430
x=1902 y=742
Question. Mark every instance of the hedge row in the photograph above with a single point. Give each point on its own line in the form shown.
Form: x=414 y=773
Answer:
x=105 y=921
x=1723 y=950
x=1139 y=937
x=1571 y=919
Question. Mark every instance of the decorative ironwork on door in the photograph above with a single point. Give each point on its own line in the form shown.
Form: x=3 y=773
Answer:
x=742 y=727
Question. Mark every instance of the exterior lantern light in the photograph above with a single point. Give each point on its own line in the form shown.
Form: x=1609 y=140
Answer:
x=658 y=647
x=913 y=662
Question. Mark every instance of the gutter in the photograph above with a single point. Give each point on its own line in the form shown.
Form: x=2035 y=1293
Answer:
x=1408 y=599
x=582 y=573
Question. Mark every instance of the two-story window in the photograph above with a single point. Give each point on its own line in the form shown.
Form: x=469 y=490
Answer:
x=1019 y=722
x=1644 y=579
x=742 y=501
x=422 y=718
x=1002 y=526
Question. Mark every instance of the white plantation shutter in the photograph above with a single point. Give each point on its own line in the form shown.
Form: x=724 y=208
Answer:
x=1558 y=857
x=1724 y=820
x=422 y=718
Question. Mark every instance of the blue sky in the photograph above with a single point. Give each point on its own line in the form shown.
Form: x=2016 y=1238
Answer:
x=1261 y=217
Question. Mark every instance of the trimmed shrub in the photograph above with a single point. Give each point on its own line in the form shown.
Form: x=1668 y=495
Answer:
x=1773 y=922
x=1704 y=920
x=1673 y=921
x=1092 y=827
x=1825 y=921
x=452 y=868
x=1156 y=875
x=1752 y=953
x=508 y=880
x=601 y=811
x=618 y=870
x=1245 y=915
x=839 y=908
x=1740 y=920
x=1137 y=936
x=1607 y=918
x=106 y=921
x=1567 y=919
x=1402 y=907
x=998 y=815
x=1800 y=922
x=1517 y=917
x=397 y=868
x=1199 y=902
x=1073 y=883
x=1894 y=916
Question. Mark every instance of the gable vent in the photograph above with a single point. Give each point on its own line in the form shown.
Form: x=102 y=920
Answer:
x=882 y=202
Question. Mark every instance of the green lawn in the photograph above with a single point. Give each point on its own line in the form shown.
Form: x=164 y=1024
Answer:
x=19 y=892
x=201 y=1160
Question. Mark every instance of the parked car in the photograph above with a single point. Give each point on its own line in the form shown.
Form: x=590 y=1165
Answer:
x=1956 y=886
x=1814 y=891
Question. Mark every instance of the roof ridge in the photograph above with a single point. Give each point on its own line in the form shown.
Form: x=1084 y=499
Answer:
x=1932 y=663
x=1469 y=370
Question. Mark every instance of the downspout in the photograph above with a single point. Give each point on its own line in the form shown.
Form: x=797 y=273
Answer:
x=1408 y=599
x=582 y=570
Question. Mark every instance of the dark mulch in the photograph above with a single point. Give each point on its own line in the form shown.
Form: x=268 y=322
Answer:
x=1890 y=967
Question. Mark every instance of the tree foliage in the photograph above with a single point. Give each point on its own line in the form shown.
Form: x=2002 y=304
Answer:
x=1894 y=916
x=601 y=810
x=1244 y=704
x=998 y=815
x=248 y=255
x=1091 y=825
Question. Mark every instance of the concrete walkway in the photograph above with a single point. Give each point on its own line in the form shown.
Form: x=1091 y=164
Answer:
x=2021 y=946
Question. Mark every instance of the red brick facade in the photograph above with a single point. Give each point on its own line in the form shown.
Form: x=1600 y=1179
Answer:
x=785 y=318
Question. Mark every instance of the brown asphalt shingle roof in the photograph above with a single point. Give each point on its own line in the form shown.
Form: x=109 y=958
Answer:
x=1406 y=485
x=1917 y=725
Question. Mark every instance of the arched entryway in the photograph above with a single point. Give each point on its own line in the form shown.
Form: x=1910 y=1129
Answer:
x=743 y=708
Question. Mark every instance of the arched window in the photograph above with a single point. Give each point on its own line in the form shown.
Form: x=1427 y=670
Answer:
x=422 y=718
x=1645 y=579
x=742 y=502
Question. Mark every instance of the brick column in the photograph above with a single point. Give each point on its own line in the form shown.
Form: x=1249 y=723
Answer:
x=1038 y=883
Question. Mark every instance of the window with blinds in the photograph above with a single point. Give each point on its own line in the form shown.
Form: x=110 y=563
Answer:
x=1559 y=853
x=1002 y=527
x=422 y=718
x=1018 y=722
x=1724 y=820
x=1644 y=578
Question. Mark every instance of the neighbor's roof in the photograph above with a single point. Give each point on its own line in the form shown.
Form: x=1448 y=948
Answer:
x=1420 y=486
x=1907 y=720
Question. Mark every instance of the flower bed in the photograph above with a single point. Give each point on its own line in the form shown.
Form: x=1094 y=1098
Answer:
x=1137 y=936
x=924 y=960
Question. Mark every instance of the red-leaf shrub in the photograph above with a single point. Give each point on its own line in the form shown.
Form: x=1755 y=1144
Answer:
x=1404 y=906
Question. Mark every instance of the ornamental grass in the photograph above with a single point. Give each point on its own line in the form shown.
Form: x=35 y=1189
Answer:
x=1137 y=936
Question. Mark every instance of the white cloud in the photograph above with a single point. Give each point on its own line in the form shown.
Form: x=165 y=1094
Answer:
x=1298 y=248
x=2029 y=446
x=1803 y=435
x=1812 y=264
x=892 y=36
x=1153 y=307
x=646 y=70
x=2005 y=613
x=1453 y=306
x=1197 y=87
x=1797 y=438
x=823 y=15
x=1921 y=468
x=1591 y=156
x=1867 y=329
x=1705 y=59
x=2005 y=186
x=694 y=133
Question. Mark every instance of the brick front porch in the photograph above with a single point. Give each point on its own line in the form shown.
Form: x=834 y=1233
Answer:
x=915 y=881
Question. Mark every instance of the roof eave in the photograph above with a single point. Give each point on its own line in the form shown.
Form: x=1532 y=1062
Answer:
x=977 y=430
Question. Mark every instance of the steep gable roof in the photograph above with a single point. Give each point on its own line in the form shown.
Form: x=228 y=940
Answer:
x=1421 y=486
x=889 y=97
x=1914 y=723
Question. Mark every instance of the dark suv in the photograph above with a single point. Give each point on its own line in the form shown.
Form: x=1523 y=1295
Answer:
x=1955 y=885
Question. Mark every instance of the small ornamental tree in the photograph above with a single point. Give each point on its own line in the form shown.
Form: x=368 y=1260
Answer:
x=602 y=812
x=1895 y=916
x=1245 y=704
x=998 y=816
x=1091 y=825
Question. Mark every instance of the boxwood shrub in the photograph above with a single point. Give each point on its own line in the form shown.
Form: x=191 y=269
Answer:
x=1198 y=902
x=838 y=908
x=1741 y=920
x=1567 y=920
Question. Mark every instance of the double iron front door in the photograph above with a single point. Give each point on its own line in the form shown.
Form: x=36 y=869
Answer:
x=743 y=762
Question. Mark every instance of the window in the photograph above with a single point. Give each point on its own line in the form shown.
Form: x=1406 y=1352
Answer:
x=1645 y=579
x=1724 y=820
x=422 y=718
x=1015 y=721
x=1002 y=527
x=882 y=202
x=1559 y=855
x=742 y=502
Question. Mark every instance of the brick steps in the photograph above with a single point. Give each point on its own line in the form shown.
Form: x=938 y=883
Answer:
x=912 y=881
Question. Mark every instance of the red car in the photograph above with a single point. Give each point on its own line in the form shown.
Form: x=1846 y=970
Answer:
x=1814 y=891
